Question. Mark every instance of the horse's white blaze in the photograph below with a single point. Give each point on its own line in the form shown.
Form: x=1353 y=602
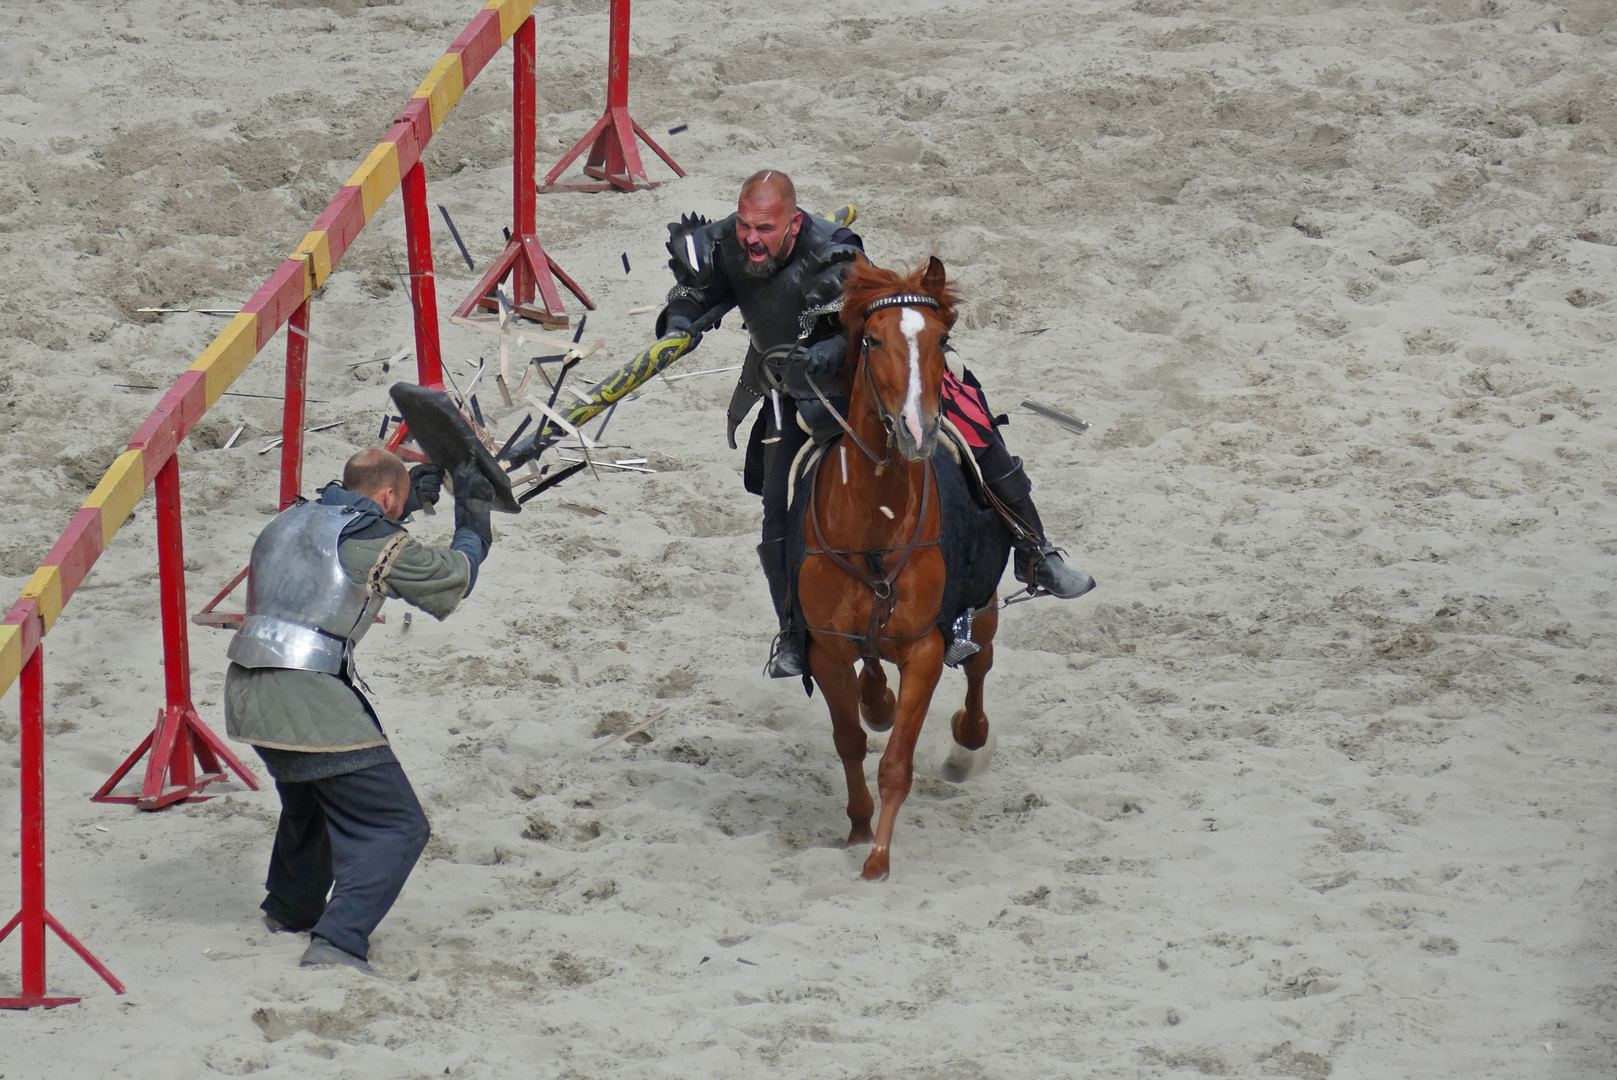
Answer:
x=911 y=322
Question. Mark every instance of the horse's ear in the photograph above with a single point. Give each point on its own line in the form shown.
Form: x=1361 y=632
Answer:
x=934 y=279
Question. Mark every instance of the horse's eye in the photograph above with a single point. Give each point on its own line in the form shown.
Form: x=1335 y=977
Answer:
x=872 y=343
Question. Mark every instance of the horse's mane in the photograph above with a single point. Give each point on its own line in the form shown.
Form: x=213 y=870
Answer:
x=865 y=284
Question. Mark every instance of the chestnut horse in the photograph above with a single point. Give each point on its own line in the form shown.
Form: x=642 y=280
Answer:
x=872 y=583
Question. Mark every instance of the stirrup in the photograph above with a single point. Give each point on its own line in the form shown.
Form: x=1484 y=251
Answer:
x=962 y=648
x=785 y=662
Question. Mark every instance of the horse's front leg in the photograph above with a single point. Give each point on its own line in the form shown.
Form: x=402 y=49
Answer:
x=919 y=667
x=832 y=665
x=876 y=700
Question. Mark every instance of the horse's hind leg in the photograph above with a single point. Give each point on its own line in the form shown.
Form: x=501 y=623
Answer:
x=970 y=725
x=876 y=701
x=833 y=671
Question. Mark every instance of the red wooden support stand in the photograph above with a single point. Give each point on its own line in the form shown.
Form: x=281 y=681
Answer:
x=32 y=920
x=524 y=259
x=181 y=741
x=614 y=161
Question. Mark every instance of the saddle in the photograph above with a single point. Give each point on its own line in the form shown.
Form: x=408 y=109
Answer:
x=974 y=540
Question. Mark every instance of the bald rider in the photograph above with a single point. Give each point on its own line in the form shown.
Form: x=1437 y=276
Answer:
x=784 y=269
x=351 y=825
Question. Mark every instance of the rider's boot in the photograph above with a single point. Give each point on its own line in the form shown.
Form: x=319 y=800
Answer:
x=786 y=659
x=1038 y=562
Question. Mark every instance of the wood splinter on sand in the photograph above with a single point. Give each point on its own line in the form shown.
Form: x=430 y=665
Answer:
x=637 y=729
x=273 y=443
x=644 y=309
x=1057 y=415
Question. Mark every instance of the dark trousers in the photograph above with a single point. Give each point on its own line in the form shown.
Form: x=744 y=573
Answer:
x=356 y=837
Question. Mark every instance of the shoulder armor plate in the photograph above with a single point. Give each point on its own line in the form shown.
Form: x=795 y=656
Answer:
x=692 y=241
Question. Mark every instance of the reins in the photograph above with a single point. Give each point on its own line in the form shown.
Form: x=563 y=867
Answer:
x=885 y=595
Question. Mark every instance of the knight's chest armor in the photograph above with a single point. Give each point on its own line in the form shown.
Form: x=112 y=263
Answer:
x=303 y=610
x=772 y=306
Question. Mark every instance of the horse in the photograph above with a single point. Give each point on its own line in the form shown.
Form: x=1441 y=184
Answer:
x=874 y=578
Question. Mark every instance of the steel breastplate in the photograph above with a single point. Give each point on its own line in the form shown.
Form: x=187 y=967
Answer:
x=303 y=611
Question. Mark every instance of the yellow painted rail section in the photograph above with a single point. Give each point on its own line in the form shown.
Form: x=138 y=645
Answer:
x=228 y=355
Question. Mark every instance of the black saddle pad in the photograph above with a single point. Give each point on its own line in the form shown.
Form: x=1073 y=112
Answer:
x=974 y=540
x=446 y=439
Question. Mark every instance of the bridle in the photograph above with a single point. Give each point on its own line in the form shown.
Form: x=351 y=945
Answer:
x=880 y=578
x=887 y=420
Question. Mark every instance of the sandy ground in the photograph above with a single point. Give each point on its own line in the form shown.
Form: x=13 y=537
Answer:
x=1317 y=784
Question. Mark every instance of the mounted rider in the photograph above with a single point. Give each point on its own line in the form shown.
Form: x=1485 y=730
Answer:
x=784 y=269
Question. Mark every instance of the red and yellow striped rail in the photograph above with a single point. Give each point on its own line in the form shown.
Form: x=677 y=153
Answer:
x=92 y=528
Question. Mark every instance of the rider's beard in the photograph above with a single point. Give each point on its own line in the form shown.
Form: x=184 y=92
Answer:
x=766 y=268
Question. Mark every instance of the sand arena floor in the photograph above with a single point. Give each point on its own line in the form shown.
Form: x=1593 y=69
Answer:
x=1317 y=784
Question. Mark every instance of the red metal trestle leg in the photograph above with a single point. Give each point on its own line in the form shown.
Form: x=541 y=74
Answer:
x=533 y=273
x=614 y=160
x=297 y=385
x=423 y=287
x=31 y=921
x=181 y=740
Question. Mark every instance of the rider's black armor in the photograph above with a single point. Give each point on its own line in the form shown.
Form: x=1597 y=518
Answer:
x=792 y=309
x=788 y=314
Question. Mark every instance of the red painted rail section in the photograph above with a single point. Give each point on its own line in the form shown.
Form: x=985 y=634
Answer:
x=181 y=741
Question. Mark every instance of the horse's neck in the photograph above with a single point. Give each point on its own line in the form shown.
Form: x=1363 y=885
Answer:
x=855 y=506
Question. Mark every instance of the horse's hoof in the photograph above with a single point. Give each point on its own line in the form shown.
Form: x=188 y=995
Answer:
x=971 y=740
x=875 y=868
x=882 y=720
x=860 y=835
x=963 y=764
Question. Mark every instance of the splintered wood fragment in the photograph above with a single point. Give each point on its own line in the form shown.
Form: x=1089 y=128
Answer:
x=519 y=334
x=505 y=340
x=580 y=508
x=304 y=334
x=611 y=465
x=388 y=361
x=499 y=380
x=234 y=435
x=560 y=422
x=644 y=309
x=637 y=729
x=273 y=443
x=576 y=354
x=694 y=374
x=1057 y=415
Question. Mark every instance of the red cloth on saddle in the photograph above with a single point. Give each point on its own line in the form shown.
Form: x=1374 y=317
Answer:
x=967 y=408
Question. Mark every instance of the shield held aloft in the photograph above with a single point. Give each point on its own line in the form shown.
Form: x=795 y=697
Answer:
x=447 y=439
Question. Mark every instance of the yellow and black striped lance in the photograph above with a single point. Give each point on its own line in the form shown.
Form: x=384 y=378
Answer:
x=627 y=378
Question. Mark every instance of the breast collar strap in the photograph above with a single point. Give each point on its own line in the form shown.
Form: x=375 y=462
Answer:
x=884 y=589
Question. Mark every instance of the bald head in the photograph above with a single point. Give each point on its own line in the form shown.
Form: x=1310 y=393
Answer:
x=767 y=221
x=770 y=185
x=379 y=476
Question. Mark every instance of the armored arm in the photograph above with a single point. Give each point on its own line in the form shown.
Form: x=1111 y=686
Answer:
x=822 y=347
x=701 y=290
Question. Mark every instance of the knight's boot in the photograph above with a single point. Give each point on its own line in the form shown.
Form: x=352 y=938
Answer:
x=786 y=658
x=1038 y=562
